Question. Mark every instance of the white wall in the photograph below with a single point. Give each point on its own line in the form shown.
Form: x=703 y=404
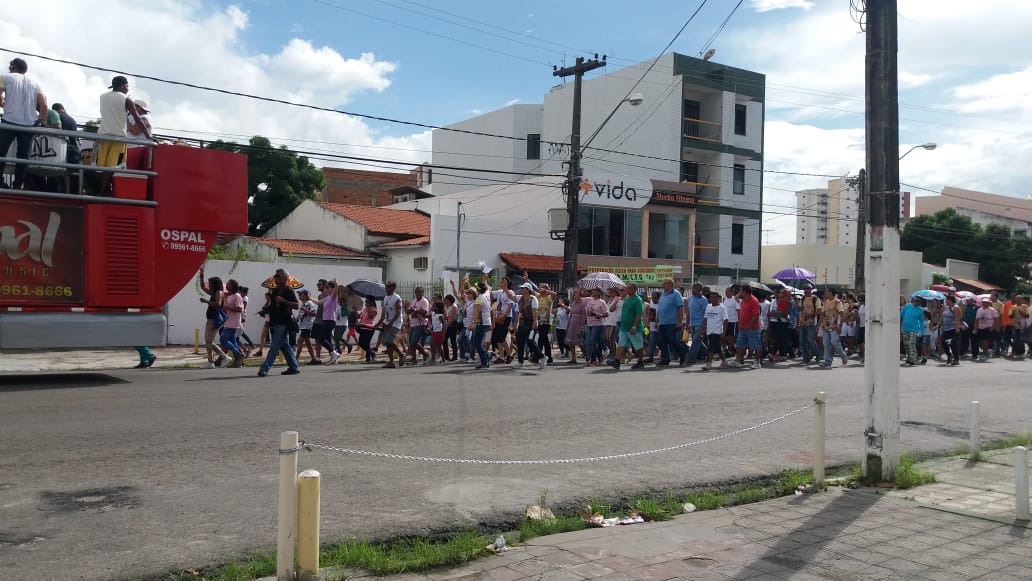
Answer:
x=835 y=261
x=400 y=267
x=310 y=221
x=186 y=312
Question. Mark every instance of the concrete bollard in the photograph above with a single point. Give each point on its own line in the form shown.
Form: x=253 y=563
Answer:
x=286 y=531
x=819 y=424
x=975 y=441
x=196 y=341
x=1021 y=483
x=308 y=484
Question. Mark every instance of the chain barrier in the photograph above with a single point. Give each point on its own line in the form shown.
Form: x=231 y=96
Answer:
x=309 y=446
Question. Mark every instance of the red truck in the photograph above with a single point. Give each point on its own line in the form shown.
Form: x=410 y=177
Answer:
x=92 y=271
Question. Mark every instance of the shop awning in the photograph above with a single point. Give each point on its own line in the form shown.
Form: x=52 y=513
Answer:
x=974 y=285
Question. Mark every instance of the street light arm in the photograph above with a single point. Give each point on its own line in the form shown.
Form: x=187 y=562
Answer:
x=633 y=99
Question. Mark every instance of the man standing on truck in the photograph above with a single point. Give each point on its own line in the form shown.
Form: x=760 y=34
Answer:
x=24 y=105
x=281 y=314
x=115 y=109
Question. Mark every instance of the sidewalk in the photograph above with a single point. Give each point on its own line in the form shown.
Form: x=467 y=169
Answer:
x=839 y=534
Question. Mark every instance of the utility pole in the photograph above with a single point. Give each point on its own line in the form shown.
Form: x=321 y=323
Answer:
x=458 y=240
x=881 y=368
x=573 y=176
x=861 y=231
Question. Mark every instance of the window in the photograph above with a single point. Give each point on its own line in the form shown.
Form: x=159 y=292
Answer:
x=739 y=180
x=692 y=112
x=420 y=263
x=737 y=238
x=609 y=232
x=429 y=175
x=668 y=236
x=740 y=114
x=533 y=146
x=689 y=171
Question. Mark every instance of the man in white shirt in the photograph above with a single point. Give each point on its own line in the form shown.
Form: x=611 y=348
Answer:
x=25 y=105
x=731 y=307
x=713 y=328
x=115 y=110
x=390 y=324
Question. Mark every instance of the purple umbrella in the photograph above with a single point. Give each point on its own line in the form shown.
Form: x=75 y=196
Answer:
x=794 y=273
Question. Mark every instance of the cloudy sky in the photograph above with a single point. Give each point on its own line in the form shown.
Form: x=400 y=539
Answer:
x=965 y=72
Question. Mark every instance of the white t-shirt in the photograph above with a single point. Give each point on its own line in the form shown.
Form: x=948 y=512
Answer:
x=504 y=302
x=562 y=319
x=764 y=311
x=392 y=310
x=862 y=314
x=731 y=306
x=485 y=308
x=614 y=316
x=467 y=315
x=653 y=325
x=715 y=317
x=113 y=114
x=20 y=94
x=305 y=320
x=436 y=323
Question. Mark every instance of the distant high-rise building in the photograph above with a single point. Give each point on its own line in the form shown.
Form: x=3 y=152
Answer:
x=828 y=215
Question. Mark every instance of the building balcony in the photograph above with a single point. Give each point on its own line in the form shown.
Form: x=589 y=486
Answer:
x=707 y=256
x=701 y=130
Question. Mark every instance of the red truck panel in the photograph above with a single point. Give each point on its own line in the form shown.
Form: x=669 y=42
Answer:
x=202 y=190
x=120 y=257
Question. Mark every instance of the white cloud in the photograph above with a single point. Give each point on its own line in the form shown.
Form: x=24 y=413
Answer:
x=188 y=41
x=768 y=5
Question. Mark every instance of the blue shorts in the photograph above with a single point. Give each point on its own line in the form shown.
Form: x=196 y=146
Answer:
x=749 y=339
x=629 y=341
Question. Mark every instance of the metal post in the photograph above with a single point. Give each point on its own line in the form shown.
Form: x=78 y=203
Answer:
x=286 y=531
x=308 y=484
x=1021 y=483
x=458 y=240
x=196 y=341
x=861 y=231
x=975 y=439
x=819 y=424
x=881 y=368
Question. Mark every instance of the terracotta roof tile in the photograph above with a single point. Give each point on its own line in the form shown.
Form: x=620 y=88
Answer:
x=384 y=220
x=420 y=241
x=976 y=284
x=535 y=262
x=312 y=247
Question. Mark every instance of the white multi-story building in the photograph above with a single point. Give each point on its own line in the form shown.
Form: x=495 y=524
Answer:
x=828 y=215
x=982 y=208
x=672 y=185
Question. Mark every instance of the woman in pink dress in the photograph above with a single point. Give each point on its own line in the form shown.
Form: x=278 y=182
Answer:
x=574 y=339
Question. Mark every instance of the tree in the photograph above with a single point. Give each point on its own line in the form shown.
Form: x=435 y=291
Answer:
x=278 y=180
x=1002 y=256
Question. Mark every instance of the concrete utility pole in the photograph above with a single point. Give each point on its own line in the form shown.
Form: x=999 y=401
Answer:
x=573 y=176
x=881 y=368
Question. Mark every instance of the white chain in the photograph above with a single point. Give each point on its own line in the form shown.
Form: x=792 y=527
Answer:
x=559 y=460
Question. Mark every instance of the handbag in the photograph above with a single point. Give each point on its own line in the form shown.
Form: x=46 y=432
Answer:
x=219 y=318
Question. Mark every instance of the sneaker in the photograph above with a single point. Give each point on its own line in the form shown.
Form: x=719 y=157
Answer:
x=735 y=363
x=649 y=360
x=823 y=364
x=638 y=365
x=541 y=364
x=315 y=362
x=845 y=362
x=262 y=373
x=661 y=364
x=150 y=362
x=209 y=365
x=516 y=365
x=294 y=371
x=482 y=367
x=334 y=357
x=924 y=361
x=389 y=365
x=708 y=366
x=614 y=364
x=141 y=365
x=237 y=363
x=220 y=361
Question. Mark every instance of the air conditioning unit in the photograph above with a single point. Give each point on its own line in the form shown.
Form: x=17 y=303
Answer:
x=420 y=263
x=558 y=219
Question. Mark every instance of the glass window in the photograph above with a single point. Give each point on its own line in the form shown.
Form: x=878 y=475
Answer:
x=739 y=179
x=632 y=234
x=533 y=146
x=737 y=238
x=740 y=115
x=609 y=232
x=668 y=236
x=689 y=171
x=584 y=230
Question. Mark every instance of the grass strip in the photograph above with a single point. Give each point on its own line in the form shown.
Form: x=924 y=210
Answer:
x=909 y=476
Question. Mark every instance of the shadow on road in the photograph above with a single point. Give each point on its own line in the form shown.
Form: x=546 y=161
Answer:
x=57 y=381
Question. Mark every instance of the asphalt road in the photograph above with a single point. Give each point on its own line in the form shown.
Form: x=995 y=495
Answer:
x=131 y=474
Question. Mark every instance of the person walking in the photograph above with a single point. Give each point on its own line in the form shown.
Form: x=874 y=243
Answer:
x=670 y=315
x=630 y=333
x=809 y=306
x=713 y=328
x=912 y=318
x=546 y=299
x=390 y=324
x=730 y=303
x=749 y=333
x=418 y=312
x=561 y=315
x=307 y=311
x=366 y=329
x=1019 y=317
x=228 y=335
x=526 y=324
x=281 y=325
x=985 y=325
x=952 y=317
x=596 y=310
x=830 y=325
x=480 y=323
x=214 y=318
x=697 y=305
x=574 y=334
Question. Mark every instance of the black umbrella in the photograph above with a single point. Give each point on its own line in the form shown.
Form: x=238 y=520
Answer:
x=369 y=289
x=757 y=286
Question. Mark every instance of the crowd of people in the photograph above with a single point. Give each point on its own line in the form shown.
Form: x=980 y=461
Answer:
x=527 y=323
x=26 y=105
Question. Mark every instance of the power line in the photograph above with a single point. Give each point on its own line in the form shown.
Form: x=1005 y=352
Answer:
x=720 y=28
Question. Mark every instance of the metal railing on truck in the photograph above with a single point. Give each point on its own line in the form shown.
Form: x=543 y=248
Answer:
x=67 y=170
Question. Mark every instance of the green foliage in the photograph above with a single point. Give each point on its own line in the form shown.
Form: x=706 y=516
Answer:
x=1024 y=439
x=539 y=528
x=940 y=278
x=908 y=476
x=278 y=181
x=222 y=252
x=1003 y=257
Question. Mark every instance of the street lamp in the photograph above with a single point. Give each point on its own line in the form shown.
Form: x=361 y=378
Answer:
x=929 y=146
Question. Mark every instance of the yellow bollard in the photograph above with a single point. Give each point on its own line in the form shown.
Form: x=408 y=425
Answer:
x=308 y=525
x=196 y=341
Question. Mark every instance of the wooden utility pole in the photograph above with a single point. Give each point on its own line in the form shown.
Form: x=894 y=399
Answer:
x=861 y=231
x=881 y=368
x=573 y=176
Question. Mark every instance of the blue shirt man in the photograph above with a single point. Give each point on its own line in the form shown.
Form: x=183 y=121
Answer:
x=697 y=307
x=912 y=318
x=670 y=304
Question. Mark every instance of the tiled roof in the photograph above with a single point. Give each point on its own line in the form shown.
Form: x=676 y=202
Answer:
x=312 y=247
x=420 y=241
x=384 y=220
x=535 y=262
x=975 y=284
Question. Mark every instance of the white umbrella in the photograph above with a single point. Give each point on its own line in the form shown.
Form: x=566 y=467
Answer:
x=601 y=280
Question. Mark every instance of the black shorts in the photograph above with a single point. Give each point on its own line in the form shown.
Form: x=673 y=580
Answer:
x=861 y=335
x=713 y=342
x=306 y=333
x=500 y=332
x=732 y=329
